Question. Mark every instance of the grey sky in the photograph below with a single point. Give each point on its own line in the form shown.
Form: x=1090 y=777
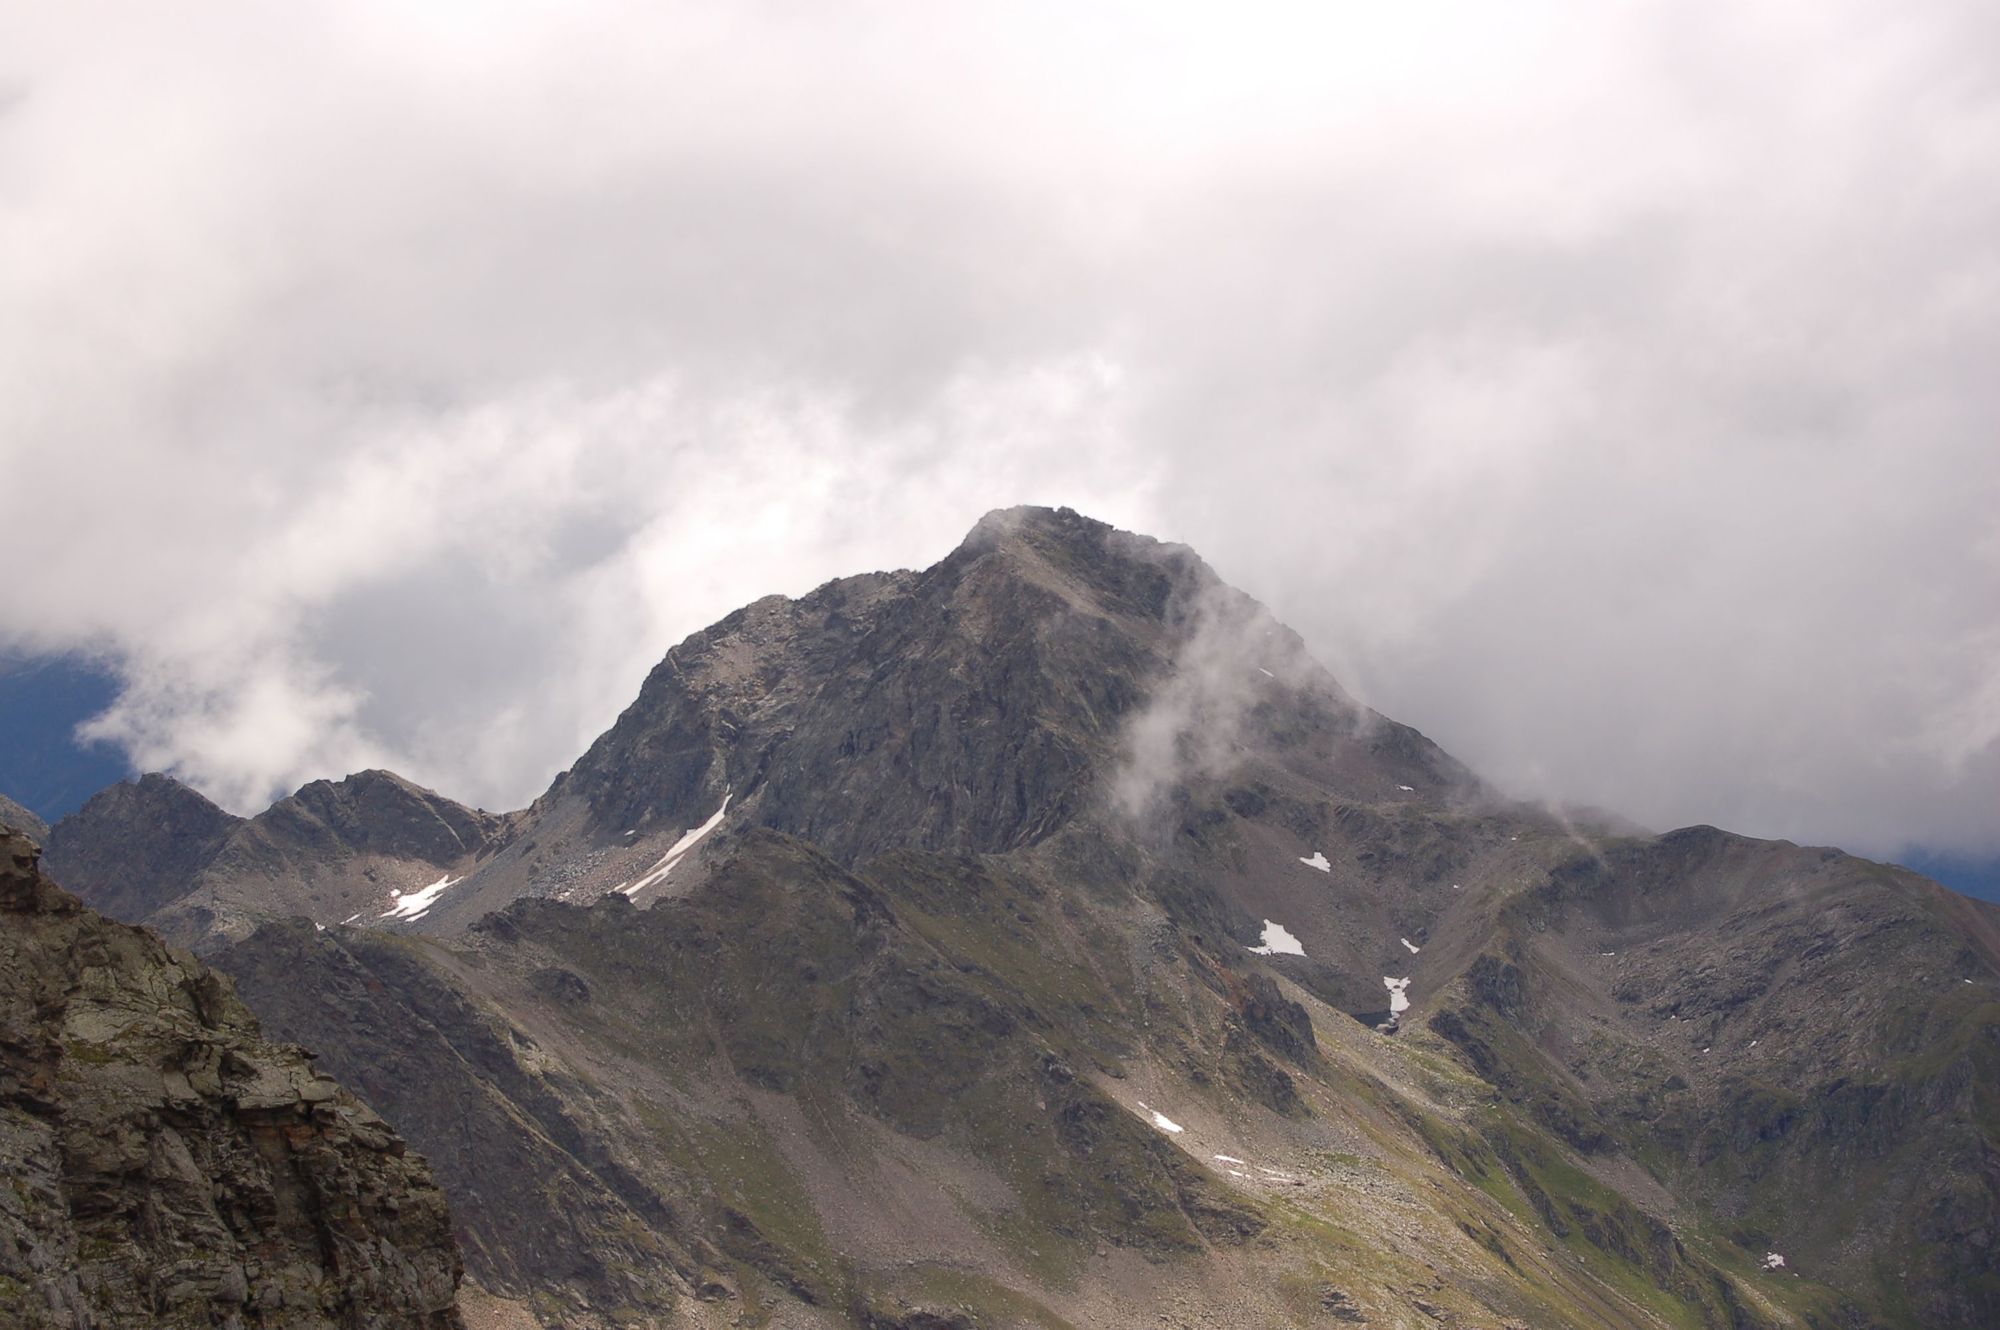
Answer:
x=1607 y=390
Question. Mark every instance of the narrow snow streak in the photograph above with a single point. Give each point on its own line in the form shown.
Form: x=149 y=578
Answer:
x=1277 y=942
x=1318 y=861
x=658 y=872
x=1266 y=673
x=1407 y=789
x=1227 y=1159
x=417 y=904
x=1414 y=948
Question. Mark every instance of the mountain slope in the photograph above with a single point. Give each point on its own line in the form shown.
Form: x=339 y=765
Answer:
x=169 y=1168
x=830 y=1096
x=1803 y=1044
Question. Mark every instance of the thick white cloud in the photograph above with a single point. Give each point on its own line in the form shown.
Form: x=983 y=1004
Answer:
x=1604 y=389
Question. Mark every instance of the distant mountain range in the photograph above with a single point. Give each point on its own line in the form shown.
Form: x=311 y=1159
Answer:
x=1045 y=938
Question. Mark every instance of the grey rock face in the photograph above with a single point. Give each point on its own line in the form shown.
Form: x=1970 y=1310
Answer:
x=976 y=706
x=170 y=1168
x=13 y=816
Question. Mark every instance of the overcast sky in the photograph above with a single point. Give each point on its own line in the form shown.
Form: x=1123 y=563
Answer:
x=1608 y=389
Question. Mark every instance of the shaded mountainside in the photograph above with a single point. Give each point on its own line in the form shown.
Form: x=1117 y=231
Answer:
x=1804 y=1045
x=1044 y=938
x=167 y=1167
x=155 y=852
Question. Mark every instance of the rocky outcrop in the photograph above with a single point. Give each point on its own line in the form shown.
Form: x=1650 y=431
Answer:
x=168 y=1167
x=17 y=818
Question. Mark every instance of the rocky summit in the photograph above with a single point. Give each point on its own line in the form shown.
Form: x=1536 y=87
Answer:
x=1044 y=938
x=168 y=1167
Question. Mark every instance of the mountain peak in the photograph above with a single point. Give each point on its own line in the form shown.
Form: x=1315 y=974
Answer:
x=1092 y=564
x=136 y=846
x=1051 y=668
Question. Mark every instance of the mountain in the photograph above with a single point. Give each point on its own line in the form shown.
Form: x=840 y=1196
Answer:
x=157 y=853
x=136 y=847
x=167 y=1167
x=1044 y=938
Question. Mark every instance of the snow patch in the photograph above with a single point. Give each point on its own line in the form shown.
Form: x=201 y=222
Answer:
x=417 y=904
x=1414 y=948
x=1162 y=1121
x=1407 y=789
x=1277 y=942
x=1773 y=1261
x=1319 y=861
x=1399 y=994
x=671 y=859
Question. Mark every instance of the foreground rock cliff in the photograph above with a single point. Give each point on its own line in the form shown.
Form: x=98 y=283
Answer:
x=167 y=1167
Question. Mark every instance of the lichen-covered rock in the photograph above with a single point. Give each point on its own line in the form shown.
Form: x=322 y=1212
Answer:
x=167 y=1167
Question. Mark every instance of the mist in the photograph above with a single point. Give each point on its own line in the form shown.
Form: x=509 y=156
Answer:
x=1604 y=390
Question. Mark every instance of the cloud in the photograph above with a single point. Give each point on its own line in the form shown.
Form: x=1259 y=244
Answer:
x=1603 y=389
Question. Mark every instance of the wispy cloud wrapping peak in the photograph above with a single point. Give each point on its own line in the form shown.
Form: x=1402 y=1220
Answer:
x=1604 y=389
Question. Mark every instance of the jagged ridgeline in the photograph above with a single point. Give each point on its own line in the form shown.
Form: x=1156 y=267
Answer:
x=1044 y=938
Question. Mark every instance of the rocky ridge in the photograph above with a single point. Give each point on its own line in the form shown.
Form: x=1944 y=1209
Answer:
x=20 y=819
x=157 y=853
